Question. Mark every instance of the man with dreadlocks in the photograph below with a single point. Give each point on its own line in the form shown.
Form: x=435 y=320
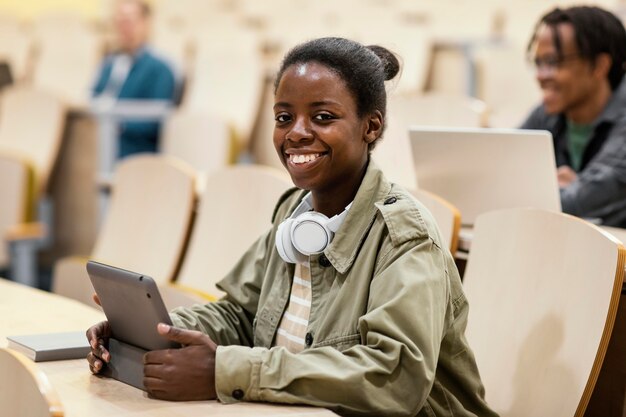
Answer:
x=579 y=54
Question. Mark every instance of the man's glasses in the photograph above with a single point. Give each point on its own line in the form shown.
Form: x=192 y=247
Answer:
x=552 y=63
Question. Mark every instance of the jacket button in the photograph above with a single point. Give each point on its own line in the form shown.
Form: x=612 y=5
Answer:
x=323 y=261
x=390 y=200
x=308 y=339
x=237 y=394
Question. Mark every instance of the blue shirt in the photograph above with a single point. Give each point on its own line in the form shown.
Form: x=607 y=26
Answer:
x=149 y=77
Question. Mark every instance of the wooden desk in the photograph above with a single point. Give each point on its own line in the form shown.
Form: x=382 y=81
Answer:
x=24 y=310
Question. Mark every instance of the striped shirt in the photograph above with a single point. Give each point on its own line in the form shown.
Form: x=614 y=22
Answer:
x=293 y=325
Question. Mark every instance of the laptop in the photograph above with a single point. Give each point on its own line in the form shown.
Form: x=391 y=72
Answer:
x=480 y=170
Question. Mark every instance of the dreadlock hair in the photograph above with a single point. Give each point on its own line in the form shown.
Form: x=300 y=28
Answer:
x=596 y=30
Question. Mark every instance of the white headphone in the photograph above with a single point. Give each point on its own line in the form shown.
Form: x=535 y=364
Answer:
x=306 y=232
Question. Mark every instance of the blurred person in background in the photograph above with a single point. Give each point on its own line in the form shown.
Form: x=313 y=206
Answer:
x=134 y=72
x=579 y=54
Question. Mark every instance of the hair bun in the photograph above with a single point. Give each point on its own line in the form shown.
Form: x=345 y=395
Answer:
x=391 y=65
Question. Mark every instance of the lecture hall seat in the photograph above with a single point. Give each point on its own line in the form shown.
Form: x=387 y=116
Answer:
x=31 y=126
x=235 y=209
x=146 y=227
x=25 y=391
x=543 y=289
x=198 y=138
x=447 y=216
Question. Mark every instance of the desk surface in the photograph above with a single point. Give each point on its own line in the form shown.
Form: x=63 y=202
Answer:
x=25 y=310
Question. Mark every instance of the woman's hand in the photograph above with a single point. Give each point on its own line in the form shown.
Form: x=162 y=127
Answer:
x=181 y=374
x=98 y=337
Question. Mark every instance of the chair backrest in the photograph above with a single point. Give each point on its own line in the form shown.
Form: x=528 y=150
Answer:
x=69 y=52
x=227 y=81
x=25 y=391
x=15 y=190
x=447 y=216
x=201 y=140
x=393 y=153
x=31 y=126
x=16 y=49
x=235 y=209
x=480 y=170
x=506 y=83
x=409 y=40
x=151 y=209
x=543 y=289
x=261 y=138
x=618 y=232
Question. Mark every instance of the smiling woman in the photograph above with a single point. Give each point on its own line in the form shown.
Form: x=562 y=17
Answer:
x=350 y=301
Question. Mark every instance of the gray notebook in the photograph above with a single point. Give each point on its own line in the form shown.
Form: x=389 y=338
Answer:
x=51 y=346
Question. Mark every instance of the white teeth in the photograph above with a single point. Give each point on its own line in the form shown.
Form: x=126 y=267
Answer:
x=300 y=159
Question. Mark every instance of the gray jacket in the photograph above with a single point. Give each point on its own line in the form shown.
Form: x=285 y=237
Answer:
x=600 y=189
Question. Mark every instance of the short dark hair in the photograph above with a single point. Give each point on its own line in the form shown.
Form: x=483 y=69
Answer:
x=364 y=69
x=597 y=31
x=144 y=7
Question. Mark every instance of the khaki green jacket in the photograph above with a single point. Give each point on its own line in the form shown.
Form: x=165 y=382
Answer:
x=386 y=330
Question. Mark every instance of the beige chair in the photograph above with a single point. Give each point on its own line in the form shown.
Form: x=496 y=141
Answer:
x=447 y=216
x=393 y=153
x=25 y=391
x=618 y=232
x=68 y=53
x=506 y=82
x=16 y=49
x=235 y=209
x=261 y=143
x=412 y=44
x=31 y=125
x=146 y=227
x=201 y=140
x=226 y=81
x=16 y=178
x=543 y=289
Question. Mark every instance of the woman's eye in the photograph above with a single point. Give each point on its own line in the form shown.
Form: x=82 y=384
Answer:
x=323 y=116
x=281 y=118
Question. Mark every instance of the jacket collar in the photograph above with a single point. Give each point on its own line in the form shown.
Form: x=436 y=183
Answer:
x=344 y=248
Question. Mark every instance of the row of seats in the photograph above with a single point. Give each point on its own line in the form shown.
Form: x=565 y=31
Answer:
x=61 y=53
x=156 y=224
x=554 y=315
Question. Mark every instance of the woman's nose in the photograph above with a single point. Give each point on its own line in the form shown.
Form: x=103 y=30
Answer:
x=300 y=130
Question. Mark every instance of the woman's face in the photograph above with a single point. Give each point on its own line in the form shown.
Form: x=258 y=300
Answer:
x=319 y=137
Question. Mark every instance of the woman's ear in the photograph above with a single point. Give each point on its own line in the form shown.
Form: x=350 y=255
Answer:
x=374 y=127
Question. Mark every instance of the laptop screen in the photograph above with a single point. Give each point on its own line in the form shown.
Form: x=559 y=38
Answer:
x=480 y=170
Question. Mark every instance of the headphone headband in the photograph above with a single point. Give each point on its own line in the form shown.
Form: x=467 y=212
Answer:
x=306 y=232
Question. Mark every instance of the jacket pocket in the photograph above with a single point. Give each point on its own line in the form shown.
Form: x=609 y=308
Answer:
x=341 y=343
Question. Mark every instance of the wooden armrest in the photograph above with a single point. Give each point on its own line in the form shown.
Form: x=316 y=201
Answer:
x=26 y=231
x=203 y=295
x=175 y=295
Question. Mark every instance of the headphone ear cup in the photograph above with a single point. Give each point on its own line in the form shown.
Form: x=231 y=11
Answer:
x=284 y=245
x=309 y=233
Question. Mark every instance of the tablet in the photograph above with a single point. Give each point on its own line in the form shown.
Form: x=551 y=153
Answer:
x=132 y=305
